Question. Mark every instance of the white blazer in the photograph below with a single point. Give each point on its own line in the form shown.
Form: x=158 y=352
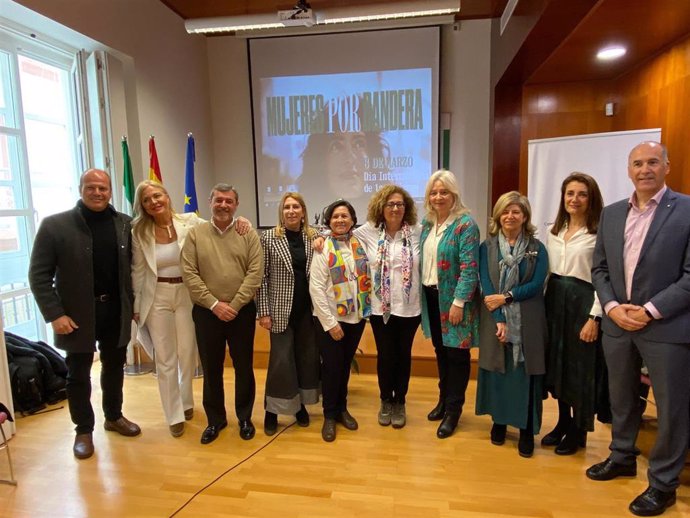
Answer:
x=145 y=275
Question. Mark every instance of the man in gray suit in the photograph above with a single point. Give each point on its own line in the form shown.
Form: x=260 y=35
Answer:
x=80 y=277
x=641 y=272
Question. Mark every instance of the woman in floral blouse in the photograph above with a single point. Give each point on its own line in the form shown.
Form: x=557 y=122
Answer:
x=449 y=263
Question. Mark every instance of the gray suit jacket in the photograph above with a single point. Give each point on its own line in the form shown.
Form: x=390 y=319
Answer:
x=662 y=275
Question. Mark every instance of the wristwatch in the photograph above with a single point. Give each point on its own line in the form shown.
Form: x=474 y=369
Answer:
x=509 y=298
x=595 y=318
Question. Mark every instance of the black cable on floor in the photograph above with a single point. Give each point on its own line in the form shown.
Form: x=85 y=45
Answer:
x=189 y=500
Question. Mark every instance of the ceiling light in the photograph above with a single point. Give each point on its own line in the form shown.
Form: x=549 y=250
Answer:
x=610 y=53
x=391 y=11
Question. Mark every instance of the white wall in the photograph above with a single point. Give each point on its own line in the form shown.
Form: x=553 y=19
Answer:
x=166 y=80
x=465 y=93
x=189 y=83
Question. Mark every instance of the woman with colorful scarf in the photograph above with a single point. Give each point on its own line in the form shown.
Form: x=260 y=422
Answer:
x=390 y=238
x=512 y=267
x=449 y=251
x=340 y=292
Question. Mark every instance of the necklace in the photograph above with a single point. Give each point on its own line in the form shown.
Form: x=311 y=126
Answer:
x=166 y=227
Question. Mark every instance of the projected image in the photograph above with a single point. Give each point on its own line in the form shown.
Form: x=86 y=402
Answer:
x=343 y=136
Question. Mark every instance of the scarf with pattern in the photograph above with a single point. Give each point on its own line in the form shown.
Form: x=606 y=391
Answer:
x=344 y=298
x=509 y=267
x=382 y=276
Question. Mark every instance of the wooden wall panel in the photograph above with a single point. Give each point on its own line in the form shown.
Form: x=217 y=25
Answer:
x=655 y=94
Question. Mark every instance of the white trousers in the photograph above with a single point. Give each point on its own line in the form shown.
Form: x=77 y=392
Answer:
x=172 y=333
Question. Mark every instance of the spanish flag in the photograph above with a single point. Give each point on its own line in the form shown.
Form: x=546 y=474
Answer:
x=154 y=166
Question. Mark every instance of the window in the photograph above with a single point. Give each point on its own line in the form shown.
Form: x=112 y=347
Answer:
x=38 y=164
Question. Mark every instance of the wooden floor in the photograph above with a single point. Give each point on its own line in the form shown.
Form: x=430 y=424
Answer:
x=374 y=471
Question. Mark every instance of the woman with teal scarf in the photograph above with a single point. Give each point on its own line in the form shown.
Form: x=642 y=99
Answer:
x=340 y=291
x=449 y=262
x=512 y=267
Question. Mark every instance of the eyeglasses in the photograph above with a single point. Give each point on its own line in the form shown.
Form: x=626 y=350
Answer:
x=395 y=205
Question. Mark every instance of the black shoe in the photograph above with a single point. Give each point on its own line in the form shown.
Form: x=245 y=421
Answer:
x=573 y=440
x=526 y=443
x=247 y=429
x=347 y=420
x=270 y=423
x=447 y=426
x=555 y=436
x=652 y=502
x=498 y=434
x=608 y=470
x=328 y=429
x=438 y=412
x=211 y=432
x=302 y=417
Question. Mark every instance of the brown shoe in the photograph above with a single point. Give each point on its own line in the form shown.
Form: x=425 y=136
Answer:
x=177 y=429
x=328 y=429
x=188 y=414
x=83 y=445
x=123 y=426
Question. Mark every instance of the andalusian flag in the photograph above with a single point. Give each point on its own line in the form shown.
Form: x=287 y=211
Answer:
x=190 y=203
x=154 y=166
x=127 y=177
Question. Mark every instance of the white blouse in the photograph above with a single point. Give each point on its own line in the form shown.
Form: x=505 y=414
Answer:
x=168 y=259
x=368 y=236
x=430 y=273
x=574 y=258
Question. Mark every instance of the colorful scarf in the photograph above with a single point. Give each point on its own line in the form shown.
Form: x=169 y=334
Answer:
x=344 y=299
x=382 y=278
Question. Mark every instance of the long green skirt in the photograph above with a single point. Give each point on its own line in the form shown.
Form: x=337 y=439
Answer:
x=506 y=397
x=575 y=370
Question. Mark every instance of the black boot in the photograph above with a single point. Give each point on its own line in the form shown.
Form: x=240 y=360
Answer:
x=526 y=443
x=302 y=416
x=554 y=437
x=498 y=434
x=438 y=412
x=447 y=426
x=270 y=423
x=574 y=439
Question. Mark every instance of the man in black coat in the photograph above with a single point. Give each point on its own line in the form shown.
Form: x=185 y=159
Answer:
x=80 y=277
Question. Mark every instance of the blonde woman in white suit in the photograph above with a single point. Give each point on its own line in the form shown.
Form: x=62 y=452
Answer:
x=162 y=306
x=284 y=308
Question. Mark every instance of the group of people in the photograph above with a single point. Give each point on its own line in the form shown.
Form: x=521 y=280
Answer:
x=610 y=287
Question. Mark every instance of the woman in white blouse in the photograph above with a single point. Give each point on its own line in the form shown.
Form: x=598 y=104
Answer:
x=576 y=371
x=391 y=240
x=341 y=294
x=162 y=306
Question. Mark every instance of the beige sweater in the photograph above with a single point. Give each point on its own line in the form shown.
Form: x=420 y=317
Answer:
x=222 y=267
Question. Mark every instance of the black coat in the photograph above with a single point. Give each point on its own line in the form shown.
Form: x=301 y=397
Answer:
x=61 y=276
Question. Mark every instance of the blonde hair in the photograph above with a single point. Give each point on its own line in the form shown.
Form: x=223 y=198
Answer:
x=449 y=182
x=143 y=221
x=378 y=202
x=505 y=201
x=280 y=227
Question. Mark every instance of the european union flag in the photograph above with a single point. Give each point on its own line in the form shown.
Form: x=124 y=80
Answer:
x=190 y=203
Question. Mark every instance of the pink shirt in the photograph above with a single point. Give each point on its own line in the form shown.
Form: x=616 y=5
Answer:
x=636 y=227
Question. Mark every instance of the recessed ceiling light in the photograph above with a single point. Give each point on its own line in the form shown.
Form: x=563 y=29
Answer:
x=611 y=53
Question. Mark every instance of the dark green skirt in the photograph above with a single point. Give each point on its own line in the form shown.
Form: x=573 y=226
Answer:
x=505 y=397
x=575 y=370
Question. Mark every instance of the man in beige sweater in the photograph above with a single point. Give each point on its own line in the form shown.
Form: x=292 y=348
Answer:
x=222 y=271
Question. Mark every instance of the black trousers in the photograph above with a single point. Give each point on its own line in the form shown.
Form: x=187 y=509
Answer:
x=453 y=363
x=336 y=358
x=212 y=335
x=112 y=359
x=394 y=354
